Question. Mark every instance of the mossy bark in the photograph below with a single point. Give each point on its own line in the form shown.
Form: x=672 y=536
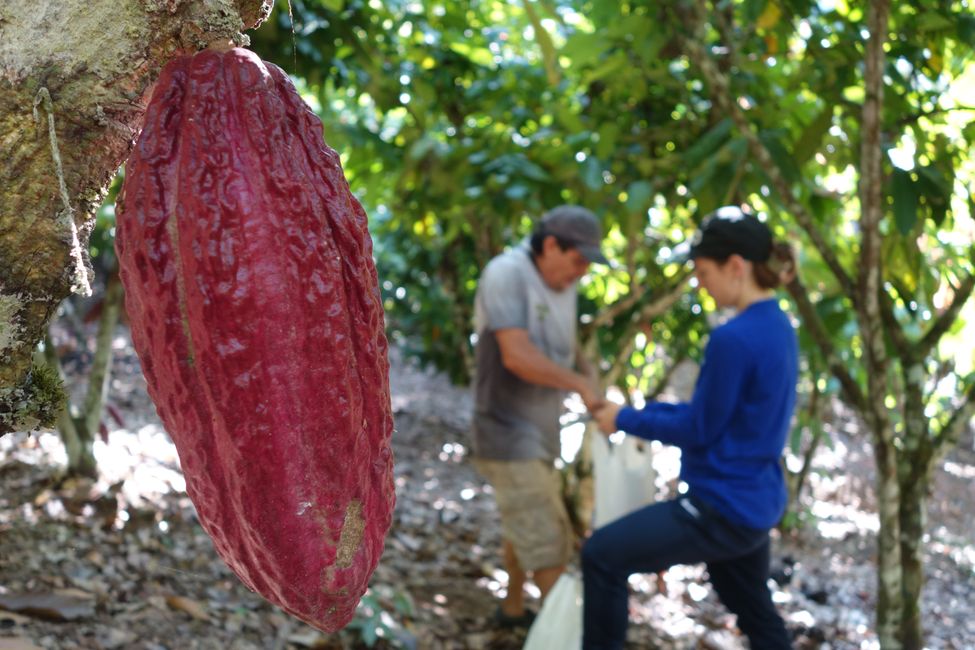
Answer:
x=74 y=80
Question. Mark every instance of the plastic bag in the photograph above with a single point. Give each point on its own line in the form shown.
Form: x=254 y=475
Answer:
x=623 y=475
x=559 y=623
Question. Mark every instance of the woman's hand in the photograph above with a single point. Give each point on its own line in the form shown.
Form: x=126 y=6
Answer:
x=605 y=417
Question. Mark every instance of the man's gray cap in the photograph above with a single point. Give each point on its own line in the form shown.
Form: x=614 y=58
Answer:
x=577 y=227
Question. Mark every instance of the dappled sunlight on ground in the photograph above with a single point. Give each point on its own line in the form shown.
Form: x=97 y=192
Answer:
x=146 y=460
x=139 y=539
x=960 y=471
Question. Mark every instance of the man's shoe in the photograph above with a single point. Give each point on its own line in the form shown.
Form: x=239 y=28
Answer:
x=510 y=622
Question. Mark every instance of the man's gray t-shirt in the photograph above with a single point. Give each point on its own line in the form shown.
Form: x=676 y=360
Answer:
x=515 y=419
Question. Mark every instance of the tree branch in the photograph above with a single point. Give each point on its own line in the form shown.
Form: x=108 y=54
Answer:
x=814 y=326
x=912 y=118
x=918 y=350
x=544 y=39
x=905 y=349
x=655 y=392
x=651 y=310
x=951 y=431
x=946 y=319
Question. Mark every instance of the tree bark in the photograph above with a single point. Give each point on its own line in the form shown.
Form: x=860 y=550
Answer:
x=74 y=79
x=890 y=595
x=101 y=366
x=913 y=520
x=77 y=448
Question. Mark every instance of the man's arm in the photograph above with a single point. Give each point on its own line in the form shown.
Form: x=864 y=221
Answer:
x=523 y=358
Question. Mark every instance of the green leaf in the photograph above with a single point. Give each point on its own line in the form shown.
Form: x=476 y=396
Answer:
x=708 y=143
x=783 y=160
x=905 y=197
x=702 y=178
x=519 y=166
x=752 y=9
x=585 y=49
x=479 y=157
x=638 y=197
x=933 y=181
x=931 y=21
x=902 y=263
x=369 y=635
x=608 y=69
x=421 y=148
x=517 y=191
x=931 y=185
x=652 y=44
x=569 y=119
x=966 y=30
x=812 y=136
x=592 y=173
x=608 y=135
x=403 y=603
x=823 y=207
x=719 y=189
x=734 y=152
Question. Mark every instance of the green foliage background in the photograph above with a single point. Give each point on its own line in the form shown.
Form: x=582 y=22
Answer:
x=460 y=122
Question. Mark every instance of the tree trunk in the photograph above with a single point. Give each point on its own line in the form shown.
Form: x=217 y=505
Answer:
x=78 y=432
x=77 y=443
x=74 y=79
x=890 y=594
x=913 y=520
x=914 y=474
x=101 y=365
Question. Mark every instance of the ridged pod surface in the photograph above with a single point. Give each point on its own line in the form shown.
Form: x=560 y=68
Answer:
x=256 y=315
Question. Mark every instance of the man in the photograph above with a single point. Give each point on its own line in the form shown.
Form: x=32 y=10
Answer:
x=527 y=358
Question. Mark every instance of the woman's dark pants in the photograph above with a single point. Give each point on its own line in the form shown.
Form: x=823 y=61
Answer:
x=682 y=531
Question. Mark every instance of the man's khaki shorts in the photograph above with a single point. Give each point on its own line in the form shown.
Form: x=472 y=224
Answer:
x=533 y=515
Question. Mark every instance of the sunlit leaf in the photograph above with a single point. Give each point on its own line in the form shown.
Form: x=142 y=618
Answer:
x=770 y=15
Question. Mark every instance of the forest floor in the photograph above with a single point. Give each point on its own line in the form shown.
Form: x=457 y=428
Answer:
x=123 y=563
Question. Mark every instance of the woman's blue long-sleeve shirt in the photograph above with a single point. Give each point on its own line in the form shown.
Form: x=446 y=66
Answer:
x=732 y=432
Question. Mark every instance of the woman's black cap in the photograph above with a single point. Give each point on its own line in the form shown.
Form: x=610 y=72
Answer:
x=732 y=231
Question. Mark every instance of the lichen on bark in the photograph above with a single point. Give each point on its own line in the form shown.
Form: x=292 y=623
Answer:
x=35 y=404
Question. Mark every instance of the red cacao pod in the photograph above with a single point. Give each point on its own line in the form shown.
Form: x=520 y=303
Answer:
x=256 y=315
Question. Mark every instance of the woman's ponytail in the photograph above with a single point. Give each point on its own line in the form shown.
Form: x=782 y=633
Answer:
x=779 y=269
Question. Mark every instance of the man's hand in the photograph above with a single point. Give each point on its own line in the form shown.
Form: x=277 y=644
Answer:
x=605 y=417
x=591 y=398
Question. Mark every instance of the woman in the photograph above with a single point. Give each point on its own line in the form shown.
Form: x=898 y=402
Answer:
x=731 y=435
